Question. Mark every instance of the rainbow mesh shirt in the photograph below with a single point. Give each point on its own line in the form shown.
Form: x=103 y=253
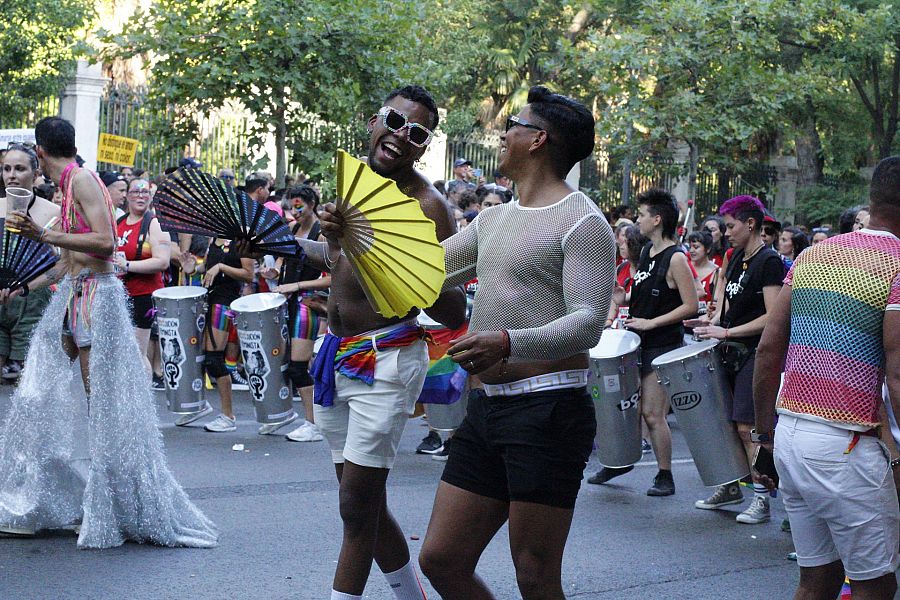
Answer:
x=841 y=288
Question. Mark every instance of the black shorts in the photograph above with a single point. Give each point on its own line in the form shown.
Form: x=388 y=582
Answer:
x=141 y=306
x=527 y=448
x=741 y=409
x=648 y=355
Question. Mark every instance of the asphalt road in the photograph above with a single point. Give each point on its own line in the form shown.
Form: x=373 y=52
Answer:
x=275 y=504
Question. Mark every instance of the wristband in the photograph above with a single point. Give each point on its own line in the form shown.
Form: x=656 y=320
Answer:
x=508 y=347
x=726 y=334
x=757 y=437
x=41 y=237
x=25 y=289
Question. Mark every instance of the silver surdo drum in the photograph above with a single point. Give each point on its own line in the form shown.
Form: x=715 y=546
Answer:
x=698 y=389
x=443 y=417
x=614 y=381
x=262 y=327
x=181 y=318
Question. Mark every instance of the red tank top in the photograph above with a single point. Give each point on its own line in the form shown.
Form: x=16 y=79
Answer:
x=138 y=284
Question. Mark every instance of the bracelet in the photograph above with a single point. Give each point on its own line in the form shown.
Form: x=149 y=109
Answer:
x=508 y=347
x=41 y=237
x=25 y=289
x=126 y=266
x=328 y=263
x=726 y=334
x=895 y=463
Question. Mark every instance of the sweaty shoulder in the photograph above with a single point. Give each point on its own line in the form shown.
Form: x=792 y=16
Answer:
x=434 y=207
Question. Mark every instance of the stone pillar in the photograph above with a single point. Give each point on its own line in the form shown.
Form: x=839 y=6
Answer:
x=784 y=205
x=434 y=161
x=80 y=105
x=681 y=155
x=574 y=176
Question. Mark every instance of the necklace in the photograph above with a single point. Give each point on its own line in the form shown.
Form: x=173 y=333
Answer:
x=745 y=262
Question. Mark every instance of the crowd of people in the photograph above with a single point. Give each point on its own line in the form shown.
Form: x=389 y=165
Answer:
x=538 y=301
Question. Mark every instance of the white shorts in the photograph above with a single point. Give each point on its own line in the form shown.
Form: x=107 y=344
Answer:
x=842 y=505
x=365 y=422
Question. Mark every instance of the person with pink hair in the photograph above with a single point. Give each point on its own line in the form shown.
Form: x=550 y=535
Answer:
x=753 y=277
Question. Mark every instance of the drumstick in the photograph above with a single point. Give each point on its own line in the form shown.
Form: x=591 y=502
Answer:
x=687 y=219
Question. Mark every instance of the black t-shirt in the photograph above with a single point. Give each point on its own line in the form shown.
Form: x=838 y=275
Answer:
x=744 y=285
x=295 y=269
x=224 y=289
x=651 y=297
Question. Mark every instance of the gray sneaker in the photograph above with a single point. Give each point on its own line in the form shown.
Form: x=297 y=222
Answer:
x=221 y=424
x=270 y=428
x=757 y=512
x=191 y=417
x=730 y=493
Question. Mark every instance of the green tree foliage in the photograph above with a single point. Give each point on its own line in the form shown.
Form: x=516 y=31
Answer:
x=291 y=63
x=38 y=48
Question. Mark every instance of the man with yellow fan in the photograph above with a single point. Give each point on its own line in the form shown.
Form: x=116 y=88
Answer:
x=371 y=367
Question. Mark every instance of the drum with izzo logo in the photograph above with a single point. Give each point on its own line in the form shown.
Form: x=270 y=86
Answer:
x=614 y=381
x=262 y=327
x=695 y=381
x=181 y=318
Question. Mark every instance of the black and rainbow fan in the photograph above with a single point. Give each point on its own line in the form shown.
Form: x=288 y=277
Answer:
x=23 y=259
x=191 y=201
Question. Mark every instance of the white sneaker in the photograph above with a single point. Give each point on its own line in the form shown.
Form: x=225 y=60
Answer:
x=221 y=424
x=191 y=417
x=270 y=428
x=757 y=512
x=307 y=432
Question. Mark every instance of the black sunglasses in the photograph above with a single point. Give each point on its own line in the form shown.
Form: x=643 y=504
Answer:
x=516 y=121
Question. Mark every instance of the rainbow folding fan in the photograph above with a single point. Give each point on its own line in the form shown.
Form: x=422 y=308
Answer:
x=22 y=260
x=391 y=244
x=191 y=201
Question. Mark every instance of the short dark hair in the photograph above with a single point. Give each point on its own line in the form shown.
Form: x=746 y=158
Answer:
x=467 y=198
x=251 y=185
x=701 y=237
x=569 y=123
x=307 y=193
x=798 y=239
x=884 y=191
x=417 y=93
x=56 y=137
x=635 y=241
x=661 y=203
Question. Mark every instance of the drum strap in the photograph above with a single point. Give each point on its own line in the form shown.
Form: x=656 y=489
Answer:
x=142 y=233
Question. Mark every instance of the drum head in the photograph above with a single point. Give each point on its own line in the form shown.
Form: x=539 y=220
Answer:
x=258 y=302
x=616 y=342
x=178 y=292
x=685 y=352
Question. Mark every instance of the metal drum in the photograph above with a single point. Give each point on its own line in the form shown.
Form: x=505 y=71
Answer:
x=614 y=380
x=262 y=327
x=443 y=417
x=180 y=318
x=698 y=389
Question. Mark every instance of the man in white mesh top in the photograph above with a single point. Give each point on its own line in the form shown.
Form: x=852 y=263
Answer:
x=544 y=288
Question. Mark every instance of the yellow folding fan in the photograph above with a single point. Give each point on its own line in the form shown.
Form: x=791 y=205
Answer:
x=391 y=244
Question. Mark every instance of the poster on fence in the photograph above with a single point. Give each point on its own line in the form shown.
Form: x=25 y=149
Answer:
x=8 y=136
x=117 y=150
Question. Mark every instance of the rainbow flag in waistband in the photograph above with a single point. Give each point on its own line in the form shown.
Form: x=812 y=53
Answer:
x=445 y=380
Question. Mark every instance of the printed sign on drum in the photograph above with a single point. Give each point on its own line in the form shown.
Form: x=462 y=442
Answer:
x=171 y=349
x=686 y=400
x=256 y=363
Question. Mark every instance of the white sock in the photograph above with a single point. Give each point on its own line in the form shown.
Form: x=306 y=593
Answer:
x=336 y=595
x=405 y=583
x=760 y=490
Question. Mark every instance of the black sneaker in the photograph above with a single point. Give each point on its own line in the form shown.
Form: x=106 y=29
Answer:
x=607 y=473
x=238 y=382
x=431 y=444
x=158 y=384
x=645 y=446
x=12 y=370
x=663 y=484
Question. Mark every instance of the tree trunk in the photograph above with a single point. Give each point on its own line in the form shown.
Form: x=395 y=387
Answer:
x=809 y=148
x=280 y=141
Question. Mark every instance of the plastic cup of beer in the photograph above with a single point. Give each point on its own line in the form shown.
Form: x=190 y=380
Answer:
x=17 y=200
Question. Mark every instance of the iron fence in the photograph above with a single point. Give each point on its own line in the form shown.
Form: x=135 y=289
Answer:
x=47 y=107
x=221 y=140
x=482 y=149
